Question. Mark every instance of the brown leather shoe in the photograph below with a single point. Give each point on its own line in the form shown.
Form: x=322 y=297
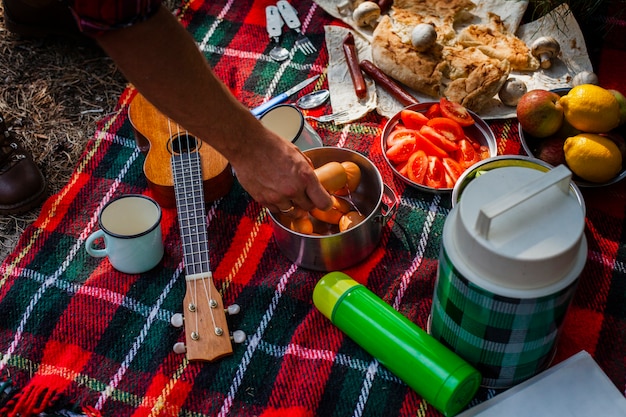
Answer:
x=39 y=18
x=22 y=185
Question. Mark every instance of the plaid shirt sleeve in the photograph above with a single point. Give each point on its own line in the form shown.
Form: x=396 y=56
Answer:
x=97 y=16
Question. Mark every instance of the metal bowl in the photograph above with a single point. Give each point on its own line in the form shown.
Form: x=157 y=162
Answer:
x=530 y=144
x=479 y=131
x=329 y=249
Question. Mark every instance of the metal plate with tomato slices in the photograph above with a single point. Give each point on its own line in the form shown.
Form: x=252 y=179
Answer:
x=478 y=133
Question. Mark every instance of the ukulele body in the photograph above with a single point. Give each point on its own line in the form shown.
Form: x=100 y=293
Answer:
x=153 y=132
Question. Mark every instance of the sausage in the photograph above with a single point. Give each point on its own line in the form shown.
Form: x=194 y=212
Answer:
x=386 y=82
x=353 y=175
x=334 y=214
x=349 y=50
x=332 y=176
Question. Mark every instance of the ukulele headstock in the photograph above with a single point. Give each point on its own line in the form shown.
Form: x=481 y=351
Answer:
x=206 y=332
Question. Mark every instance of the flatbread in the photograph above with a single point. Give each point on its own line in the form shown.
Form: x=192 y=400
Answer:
x=398 y=59
x=494 y=41
x=472 y=78
x=467 y=65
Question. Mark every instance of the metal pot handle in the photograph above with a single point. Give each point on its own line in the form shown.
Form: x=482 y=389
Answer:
x=389 y=210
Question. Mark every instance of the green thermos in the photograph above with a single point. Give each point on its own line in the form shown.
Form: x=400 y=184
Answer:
x=436 y=373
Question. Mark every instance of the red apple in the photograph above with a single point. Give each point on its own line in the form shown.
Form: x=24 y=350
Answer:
x=551 y=151
x=540 y=113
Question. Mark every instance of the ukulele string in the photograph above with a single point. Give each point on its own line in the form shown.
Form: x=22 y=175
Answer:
x=192 y=290
x=201 y=229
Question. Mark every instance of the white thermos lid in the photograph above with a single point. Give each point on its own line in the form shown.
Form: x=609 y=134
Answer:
x=521 y=228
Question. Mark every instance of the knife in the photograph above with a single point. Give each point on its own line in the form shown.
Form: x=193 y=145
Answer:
x=258 y=111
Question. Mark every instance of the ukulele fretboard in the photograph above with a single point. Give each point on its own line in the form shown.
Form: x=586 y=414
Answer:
x=186 y=170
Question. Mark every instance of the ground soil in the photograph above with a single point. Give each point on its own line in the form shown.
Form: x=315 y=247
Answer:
x=52 y=92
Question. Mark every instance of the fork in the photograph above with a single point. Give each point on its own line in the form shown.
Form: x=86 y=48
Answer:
x=328 y=117
x=290 y=17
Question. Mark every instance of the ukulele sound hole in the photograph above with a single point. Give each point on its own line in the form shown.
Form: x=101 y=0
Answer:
x=183 y=143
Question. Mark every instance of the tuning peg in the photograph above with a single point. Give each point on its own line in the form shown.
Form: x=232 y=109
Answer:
x=238 y=336
x=233 y=309
x=177 y=320
x=179 y=347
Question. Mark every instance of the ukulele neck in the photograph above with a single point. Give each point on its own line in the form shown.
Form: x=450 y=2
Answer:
x=206 y=332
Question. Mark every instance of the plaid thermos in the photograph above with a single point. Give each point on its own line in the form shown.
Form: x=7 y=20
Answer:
x=508 y=270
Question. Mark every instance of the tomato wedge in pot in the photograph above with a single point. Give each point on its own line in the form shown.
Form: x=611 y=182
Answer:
x=401 y=150
x=451 y=129
x=413 y=119
x=453 y=169
x=467 y=155
x=456 y=112
x=417 y=166
x=430 y=148
x=399 y=133
x=438 y=139
x=435 y=174
x=433 y=111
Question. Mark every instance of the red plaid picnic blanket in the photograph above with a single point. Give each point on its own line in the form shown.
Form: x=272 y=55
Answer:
x=76 y=334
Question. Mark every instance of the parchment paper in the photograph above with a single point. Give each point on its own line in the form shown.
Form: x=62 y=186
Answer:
x=560 y=24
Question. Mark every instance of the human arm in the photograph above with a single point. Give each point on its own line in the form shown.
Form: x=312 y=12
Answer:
x=161 y=59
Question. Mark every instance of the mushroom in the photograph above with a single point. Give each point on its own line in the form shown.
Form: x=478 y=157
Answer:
x=423 y=36
x=511 y=91
x=366 y=14
x=545 y=49
x=585 y=77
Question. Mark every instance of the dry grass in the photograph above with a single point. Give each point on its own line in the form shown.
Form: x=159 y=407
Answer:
x=52 y=92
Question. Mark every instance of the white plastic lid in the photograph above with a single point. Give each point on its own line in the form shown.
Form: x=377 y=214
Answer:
x=520 y=228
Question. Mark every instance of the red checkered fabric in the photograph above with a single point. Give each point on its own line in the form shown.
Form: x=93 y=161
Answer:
x=76 y=334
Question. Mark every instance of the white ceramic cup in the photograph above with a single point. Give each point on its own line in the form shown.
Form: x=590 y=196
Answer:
x=130 y=227
x=288 y=122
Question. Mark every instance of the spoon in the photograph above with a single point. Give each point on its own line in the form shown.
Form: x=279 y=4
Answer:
x=313 y=99
x=278 y=53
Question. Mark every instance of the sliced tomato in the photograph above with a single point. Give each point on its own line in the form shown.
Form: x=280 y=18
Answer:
x=413 y=119
x=403 y=167
x=447 y=127
x=438 y=139
x=466 y=155
x=435 y=174
x=450 y=182
x=484 y=152
x=417 y=166
x=401 y=150
x=456 y=112
x=423 y=143
x=433 y=111
x=453 y=169
x=399 y=133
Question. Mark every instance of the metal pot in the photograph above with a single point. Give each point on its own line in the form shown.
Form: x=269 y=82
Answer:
x=338 y=250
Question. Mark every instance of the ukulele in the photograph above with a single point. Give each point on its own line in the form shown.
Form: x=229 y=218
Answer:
x=206 y=336
x=153 y=134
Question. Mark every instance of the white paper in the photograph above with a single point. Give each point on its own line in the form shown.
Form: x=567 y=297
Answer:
x=577 y=387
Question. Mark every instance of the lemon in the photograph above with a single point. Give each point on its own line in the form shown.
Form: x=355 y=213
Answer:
x=592 y=157
x=591 y=108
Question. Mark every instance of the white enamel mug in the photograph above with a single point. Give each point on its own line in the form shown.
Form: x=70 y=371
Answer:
x=288 y=122
x=130 y=227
